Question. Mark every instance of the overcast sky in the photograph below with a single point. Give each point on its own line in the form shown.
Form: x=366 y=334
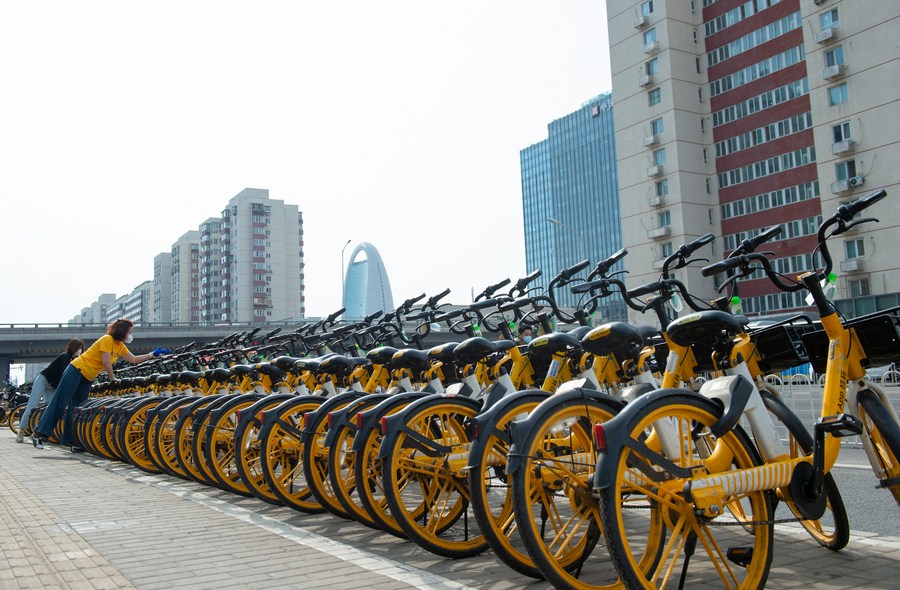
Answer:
x=399 y=123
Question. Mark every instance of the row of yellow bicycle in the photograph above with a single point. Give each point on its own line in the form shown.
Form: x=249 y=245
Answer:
x=593 y=457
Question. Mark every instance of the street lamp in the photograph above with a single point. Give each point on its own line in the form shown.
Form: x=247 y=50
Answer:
x=342 y=270
x=555 y=221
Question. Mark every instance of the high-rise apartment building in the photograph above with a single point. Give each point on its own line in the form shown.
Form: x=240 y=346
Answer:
x=245 y=267
x=570 y=197
x=161 y=312
x=733 y=116
x=210 y=270
x=261 y=264
x=186 y=278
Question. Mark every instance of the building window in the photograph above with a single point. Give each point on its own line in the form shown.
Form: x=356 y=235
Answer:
x=838 y=94
x=841 y=132
x=664 y=218
x=649 y=36
x=652 y=67
x=834 y=57
x=829 y=19
x=659 y=157
x=654 y=96
x=665 y=250
x=855 y=248
x=656 y=126
x=859 y=287
x=845 y=170
x=662 y=187
x=647 y=7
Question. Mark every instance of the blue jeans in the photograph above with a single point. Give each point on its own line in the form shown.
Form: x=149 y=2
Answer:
x=39 y=389
x=72 y=391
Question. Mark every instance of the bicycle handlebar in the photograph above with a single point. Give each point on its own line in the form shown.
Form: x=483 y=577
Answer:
x=522 y=283
x=850 y=210
x=604 y=265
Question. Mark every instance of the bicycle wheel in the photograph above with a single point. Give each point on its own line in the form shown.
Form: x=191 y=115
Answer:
x=281 y=453
x=555 y=508
x=342 y=458
x=885 y=436
x=316 y=453
x=131 y=435
x=490 y=484
x=15 y=416
x=200 y=441
x=154 y=415
x=246 y=436
x=221 y=444
x=639 y=491
x=425 y=452
x=184 y=437
x=367 y=471
x=832 y=531
x=165 y=436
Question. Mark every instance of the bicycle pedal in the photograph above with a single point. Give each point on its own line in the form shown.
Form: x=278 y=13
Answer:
x=741 y=556
x=839 y=425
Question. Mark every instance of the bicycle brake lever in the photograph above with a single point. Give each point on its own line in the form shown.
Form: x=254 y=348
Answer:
x=651 y=303
x=856 y=222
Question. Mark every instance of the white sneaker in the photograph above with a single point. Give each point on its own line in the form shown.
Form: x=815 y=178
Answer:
x=20 y=436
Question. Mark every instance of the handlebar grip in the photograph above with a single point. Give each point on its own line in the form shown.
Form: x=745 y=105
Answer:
x=419 y=315
x=849 y=211
x=524 y=281
x=588 y=286
x=336 y=314
x=432 y=301
x=485 y=303
x=369 y=318
x=644 y=290
x=615 y=258
x=720 y=267
x=493 y=288
x=695 y=245
x=576 y=268
x=751 y=244
x=411 y=301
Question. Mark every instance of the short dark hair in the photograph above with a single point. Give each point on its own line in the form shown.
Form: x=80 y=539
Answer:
x=74 y=345
x=522 y=328
x=119 y=329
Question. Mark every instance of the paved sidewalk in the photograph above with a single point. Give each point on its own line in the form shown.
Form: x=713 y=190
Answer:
x=76 y=521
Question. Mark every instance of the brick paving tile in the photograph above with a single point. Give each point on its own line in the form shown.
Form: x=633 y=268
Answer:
x=77 y=521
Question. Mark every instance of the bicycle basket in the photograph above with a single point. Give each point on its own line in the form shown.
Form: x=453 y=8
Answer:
x=878 y=334
x=702 y=354
x=781 y=347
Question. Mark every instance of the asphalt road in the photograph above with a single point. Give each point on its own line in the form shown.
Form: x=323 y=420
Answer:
x=869 y=509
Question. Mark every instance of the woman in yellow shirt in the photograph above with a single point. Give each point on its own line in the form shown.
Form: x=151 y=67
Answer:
x=76 y=379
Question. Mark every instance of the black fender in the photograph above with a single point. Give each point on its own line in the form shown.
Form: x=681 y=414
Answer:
x=344 y=418
x=201 y=414
x=310 y=425
x=371 y=417
x=217 y=412
x=617 y=437
x=272 y=416
x=486 y=421
x=520 y=430
x=249 y=415
x=791 y=421
x=396 y=423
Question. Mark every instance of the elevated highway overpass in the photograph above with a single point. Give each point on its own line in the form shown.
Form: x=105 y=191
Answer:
x=41 y=343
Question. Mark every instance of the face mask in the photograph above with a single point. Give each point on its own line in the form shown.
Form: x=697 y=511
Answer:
x=129 y=338
x=78 y=352
x=527 y=339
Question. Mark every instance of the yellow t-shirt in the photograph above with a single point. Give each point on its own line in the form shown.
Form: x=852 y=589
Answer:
x=90 y=363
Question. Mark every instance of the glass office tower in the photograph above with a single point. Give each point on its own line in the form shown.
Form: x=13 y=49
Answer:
x=570 y=198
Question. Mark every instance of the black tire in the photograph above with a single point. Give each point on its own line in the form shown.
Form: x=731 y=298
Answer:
x=832 y=531
x=885 y=436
